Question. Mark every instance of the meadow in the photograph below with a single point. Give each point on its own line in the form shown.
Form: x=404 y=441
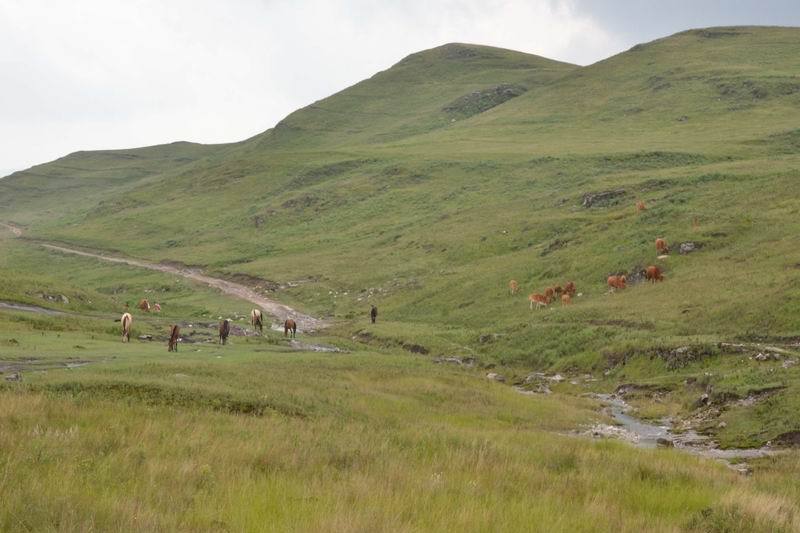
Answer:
x=424 y=190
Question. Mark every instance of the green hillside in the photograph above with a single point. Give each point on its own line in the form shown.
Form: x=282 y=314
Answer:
x=424 y=190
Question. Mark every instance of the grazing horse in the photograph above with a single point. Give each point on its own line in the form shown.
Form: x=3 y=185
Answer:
x=257 y=319
x=289 y=325
x=558 y=289
x=548 y=293
x=653 y=274
x=616 y=282
x=224 y=331
x=513 y=287
x=570 y=289
x=539 y=299
x=144 y=305
x=173 y=338
x=373 y=313
x=157 y=307
x=127 y=322
x=566 y=299
x=661 y=247
x=640 y=206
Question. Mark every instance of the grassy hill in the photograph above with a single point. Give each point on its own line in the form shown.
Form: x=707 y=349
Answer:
x=424 y=190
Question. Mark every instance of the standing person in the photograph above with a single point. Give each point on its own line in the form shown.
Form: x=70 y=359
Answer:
x=373 y=313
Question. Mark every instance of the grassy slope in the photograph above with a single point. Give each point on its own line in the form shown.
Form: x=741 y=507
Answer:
x=430 y=218
x=251 y=437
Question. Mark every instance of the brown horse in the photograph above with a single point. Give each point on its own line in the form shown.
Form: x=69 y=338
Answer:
x=127 y=323
x=173 y=338
x=289 y=325
x=513 y=287
x=570 y=289
x=224 y=331
x=144 y=305
x=257 y=319
x=373 y=313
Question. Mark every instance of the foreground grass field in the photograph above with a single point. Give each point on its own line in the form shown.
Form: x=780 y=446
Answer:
x=424 y=189
x=256 y=437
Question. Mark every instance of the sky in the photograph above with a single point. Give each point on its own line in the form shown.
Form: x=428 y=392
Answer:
x=99 y=74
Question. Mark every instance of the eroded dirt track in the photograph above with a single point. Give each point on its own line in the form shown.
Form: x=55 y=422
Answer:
x=271 y=307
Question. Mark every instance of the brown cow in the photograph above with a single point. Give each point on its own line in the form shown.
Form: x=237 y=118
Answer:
x=548 y=293
x=653 y=274
x=539 y=299
x=173 y=338
x=289 y=325
x=661 y=247
x=566 y=299
x=616 y=282
x=640 y=206
x=144 y=305
x=224 y=331
x=257 y=320
x=513 y=287
x=570 y=289
x=127 y=324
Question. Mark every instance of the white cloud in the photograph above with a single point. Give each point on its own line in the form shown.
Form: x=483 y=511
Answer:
x=92 y=74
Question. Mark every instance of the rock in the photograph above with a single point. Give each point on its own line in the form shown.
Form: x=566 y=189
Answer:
x=722 y=425
x=688 y=247
x=558 y=378
x=602 y=198
x=661 y=442
x=145 y=337
x=467 y=361
x=703 y=401
x=14 y=376
x=767 y=356
x=742 y=468
x=496 y=377
x=789 y=363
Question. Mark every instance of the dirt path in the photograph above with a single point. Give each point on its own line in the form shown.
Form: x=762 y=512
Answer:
x=13 y=229
x=271 y=307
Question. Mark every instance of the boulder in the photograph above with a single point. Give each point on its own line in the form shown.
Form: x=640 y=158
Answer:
x=688 y=247
x=496 y=377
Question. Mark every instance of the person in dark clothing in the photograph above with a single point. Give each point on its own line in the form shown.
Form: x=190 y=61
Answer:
x=373 y=313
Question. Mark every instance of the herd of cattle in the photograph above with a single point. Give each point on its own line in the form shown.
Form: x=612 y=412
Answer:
x=256 y=320
x=652 y=274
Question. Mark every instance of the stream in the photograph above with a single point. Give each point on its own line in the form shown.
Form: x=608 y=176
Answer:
x=648 y=435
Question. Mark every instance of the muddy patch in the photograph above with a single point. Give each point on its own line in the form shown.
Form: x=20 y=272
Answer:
x=11 y=306
x=33 y=364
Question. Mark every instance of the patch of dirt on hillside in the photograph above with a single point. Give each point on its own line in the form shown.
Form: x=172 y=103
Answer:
x=483 y=100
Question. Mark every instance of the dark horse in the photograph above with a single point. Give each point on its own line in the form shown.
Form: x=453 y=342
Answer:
x=173 y=339
x=373 y=314
x=289 y=325
x=224 y=331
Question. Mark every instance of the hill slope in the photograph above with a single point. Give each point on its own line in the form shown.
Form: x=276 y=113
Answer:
x=415 y=190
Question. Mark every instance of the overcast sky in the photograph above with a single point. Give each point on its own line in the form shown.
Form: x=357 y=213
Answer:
x=93 y=74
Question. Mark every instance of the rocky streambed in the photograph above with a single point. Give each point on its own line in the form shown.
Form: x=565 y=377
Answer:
x=646 y=434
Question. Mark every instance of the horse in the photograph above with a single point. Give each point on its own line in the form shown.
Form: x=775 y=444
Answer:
x=289 y=325
x=257 y=319
x=224 y=331
x=640 y=206
x=127 y=323
x=566 y=299
x=173 y=338
x=157 y=307
x=373 y=313
x=144 y=305
x=540 y=300
x=513 y=287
